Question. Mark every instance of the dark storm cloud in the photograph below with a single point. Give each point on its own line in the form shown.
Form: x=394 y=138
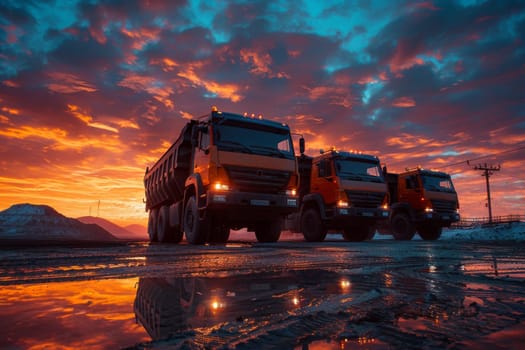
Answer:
x=85 y=54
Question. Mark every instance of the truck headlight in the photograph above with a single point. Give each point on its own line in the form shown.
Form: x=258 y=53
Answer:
x=291 y=192
x=342 y=204
x=218 y=186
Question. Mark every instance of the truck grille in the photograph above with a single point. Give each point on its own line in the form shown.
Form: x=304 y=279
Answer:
x=258 y=180
x=364 y=199
x=443 y=206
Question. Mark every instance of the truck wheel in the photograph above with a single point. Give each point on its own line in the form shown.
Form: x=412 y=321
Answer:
x=430 y=232
x=312 y=226
x=402 y=227
x=359 y=233
x=194 y=228
x=163 y=225
x=152 y=225
x=268 y=232
x=165 y=233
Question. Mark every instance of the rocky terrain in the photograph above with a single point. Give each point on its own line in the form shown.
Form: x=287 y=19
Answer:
x=41 y=223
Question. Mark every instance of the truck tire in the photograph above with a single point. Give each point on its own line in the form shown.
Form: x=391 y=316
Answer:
x=402 y=227
x=359 y=233
x=165 y=233
x=268 y=232
x=430 y=232
x=152 y=225
x=194 y=228
x=312 y=226
x=162 y=225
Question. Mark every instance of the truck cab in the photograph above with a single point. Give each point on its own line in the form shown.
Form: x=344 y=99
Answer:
x=342 y=192
x=422 y=201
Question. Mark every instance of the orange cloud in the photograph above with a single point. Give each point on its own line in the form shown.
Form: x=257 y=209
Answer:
x=403 y=58
x=88 y=120
x=154 y=87
x=141 y=37
x=260 y=63
x=26 y=131
x=404 y=102
x=12 y=111
x=69 y=83
x=229 y=91
x=506 y=136
x=127 y=124
x=337 y=95
x=186 y=115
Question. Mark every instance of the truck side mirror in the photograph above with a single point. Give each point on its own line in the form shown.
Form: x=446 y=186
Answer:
x=301 y=145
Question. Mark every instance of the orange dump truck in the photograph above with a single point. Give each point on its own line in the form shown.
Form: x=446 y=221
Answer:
x=225 y=171
x=340 y=192
x=422 y=201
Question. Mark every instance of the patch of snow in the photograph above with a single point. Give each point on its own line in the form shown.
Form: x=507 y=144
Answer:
x=514 y=231
x=500 y=232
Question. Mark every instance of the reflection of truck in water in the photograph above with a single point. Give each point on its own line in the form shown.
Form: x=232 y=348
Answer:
x=422 y=201
x=287 y=309
x=224 y=171
x=339 y=191
x=168 y=306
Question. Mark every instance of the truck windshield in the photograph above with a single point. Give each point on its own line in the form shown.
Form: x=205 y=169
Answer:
x=437 y=183
x=248 y=138
x=357 y=169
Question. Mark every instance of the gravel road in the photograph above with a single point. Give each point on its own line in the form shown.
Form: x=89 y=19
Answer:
x=381 y=294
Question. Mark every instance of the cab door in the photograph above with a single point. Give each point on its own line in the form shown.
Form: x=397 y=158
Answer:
x=324 y=181
x=201 y=160
x=411 y=191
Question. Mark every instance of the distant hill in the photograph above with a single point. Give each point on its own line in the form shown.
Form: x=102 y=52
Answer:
x=116 y=230
x=139 y=230
x=30 y=222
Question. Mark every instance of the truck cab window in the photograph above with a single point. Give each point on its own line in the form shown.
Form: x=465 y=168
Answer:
x=410 y=183
x=284 y=145
x=324 y=168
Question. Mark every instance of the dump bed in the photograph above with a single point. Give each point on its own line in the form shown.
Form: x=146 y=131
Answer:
x=164 y=181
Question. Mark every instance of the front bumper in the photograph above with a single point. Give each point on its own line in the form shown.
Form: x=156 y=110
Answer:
x=444 y=218
x=247 y=205
x=343 y=217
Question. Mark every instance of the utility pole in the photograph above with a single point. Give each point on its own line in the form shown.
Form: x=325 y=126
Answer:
x=487 y=172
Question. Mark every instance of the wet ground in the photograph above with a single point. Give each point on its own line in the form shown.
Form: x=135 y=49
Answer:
x=381 y=294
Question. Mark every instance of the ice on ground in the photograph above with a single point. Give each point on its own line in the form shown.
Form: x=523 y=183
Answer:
x=514 y=231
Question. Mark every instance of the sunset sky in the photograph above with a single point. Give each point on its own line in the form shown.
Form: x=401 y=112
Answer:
x=92 y=92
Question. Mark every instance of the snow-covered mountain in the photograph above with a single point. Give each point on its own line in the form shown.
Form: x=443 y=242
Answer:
x=116 y=230
x=30 y=222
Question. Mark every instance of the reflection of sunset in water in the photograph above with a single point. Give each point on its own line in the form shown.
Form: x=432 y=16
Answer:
x=70 y=315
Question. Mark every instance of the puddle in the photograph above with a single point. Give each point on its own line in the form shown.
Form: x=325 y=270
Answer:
x=363 y=342
x=167 y=306
x=70 y=315
x=292 y=309
x=509 y=268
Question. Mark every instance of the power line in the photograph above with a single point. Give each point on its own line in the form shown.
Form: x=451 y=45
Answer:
x=481 y=157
